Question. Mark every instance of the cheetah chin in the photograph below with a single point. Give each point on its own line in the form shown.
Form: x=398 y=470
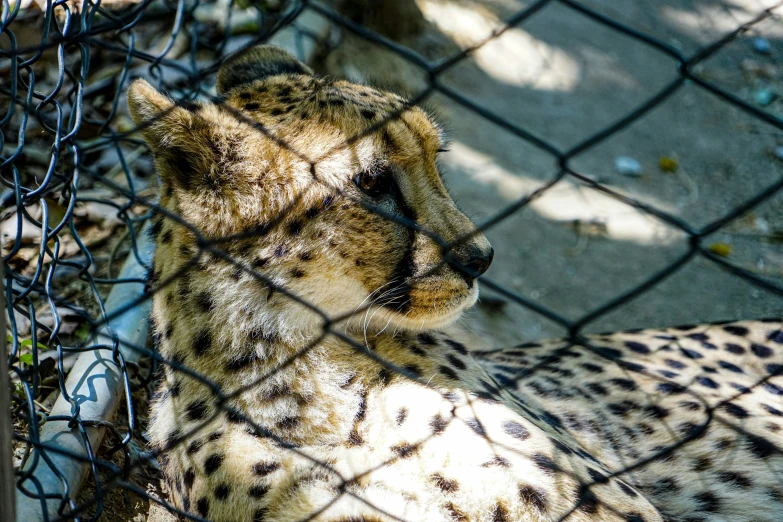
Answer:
x=300 y=280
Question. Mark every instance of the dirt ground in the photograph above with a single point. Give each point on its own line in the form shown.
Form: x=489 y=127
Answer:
x=564 y=77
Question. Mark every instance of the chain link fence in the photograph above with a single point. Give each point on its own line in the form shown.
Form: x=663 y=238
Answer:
x=79 y=186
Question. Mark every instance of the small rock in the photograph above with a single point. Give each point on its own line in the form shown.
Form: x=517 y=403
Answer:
x=761 y=45
x=628 y=166
x=721 y=249
x=668 y=164
x=764 y=96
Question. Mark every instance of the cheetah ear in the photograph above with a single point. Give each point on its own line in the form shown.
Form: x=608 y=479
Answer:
x=161 y=122
x=180 y=138
x=256 y=63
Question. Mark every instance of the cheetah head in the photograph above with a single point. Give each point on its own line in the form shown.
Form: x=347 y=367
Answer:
x=327 y=189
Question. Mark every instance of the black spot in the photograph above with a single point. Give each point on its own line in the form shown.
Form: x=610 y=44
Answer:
x=634 y=367
x=445 y=485
x=425 y=338
x=156 y=228
x=516 y=430
x=670 y=388
x=610 y=353
x=628 y=490
x=761 y=351
x=592 y=367
x=760 y=447
x=241 y=362
x=774 y=389
x=656 y=411
x=637 y=347
x=533 y=497
x=215 y=436
x=175 y=389
x=402 y=414
x=280 y=250
x=438 y=424
x=740 y=387
x=776 y=336
x=500 y=514
x=668 y=374
x=709 y=502
x=190 y=476
x=690 y=429
x=258 y=491
x=497 y=461
x=196 y=410
x=174 y=438
x=251 y=106
x=456 y=361
x=448 y=372
x=740 y=331
x=625 y=384
x=385 y=376
x=222 y=491
x=166 y=237
x=212 y=463
x=412 y=371
x=298 y=273
x=416 y=350
x=202 y=506
x=475 y=425
x=305 y=256
x=702 y=464
x=666 y=486
x=731 y=367
x=771 y=410
x=633 y=517
x=295 y=228
x=774 y=369
x=736 y=478
x=194 y=447
x=587 y=501
x=202 y=342
x=354 y=439
x=707 y=382
x=545 y=464
x=693 y=354
x=677 y=365
x=597 y=388
x=204 y=301
x=597 y=476
x=405 y=450
x=735 y=410
x=289 y=423
x=244 y=95
x=735 y=348
x=458 y=347
x=262 y=469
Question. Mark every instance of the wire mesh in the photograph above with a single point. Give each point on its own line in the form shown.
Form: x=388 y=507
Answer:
x=71 y=157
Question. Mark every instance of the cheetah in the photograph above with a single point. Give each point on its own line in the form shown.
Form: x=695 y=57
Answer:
x=309 y=259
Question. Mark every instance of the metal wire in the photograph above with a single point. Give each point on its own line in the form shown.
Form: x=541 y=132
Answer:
x=58 y=119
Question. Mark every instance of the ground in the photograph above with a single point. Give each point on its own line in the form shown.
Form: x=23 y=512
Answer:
x=564 y=77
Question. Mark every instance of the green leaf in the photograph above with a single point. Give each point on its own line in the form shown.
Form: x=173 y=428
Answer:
x=26 y=358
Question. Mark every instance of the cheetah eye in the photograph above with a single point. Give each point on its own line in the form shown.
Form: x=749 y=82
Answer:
x=375 y=184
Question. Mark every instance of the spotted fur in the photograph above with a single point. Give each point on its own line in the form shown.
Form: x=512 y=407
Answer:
x=300 y=292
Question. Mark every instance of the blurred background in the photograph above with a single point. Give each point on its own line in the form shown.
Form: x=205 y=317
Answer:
x=622 y=157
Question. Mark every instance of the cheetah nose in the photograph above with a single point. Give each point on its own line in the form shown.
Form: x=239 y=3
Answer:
x=476 y=261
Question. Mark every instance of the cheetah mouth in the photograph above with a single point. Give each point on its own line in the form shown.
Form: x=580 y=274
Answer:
x=426 y=304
